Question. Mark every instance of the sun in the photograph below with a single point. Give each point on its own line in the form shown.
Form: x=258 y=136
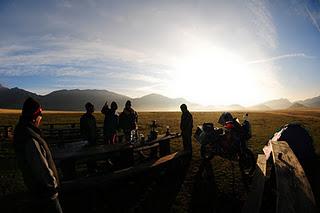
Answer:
x=212 y=75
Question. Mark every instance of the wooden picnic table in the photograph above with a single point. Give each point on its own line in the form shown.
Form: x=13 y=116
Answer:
x=67 y=157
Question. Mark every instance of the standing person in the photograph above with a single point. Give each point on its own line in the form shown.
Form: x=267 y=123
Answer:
x=88 y=127
x=104 y=111
x=35 y=159
x=186 y=126
x=111 y=124
x=128 y=120
x=105 y=108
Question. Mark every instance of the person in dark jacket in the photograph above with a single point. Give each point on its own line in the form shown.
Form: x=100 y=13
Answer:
x=88 y=128
x=35 y=159
x=111 y=124
x=88 y=125
x=186 y=126
x=105 y=108
x=128 y=120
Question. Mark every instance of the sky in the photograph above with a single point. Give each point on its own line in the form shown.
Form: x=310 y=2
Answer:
x=209 y=52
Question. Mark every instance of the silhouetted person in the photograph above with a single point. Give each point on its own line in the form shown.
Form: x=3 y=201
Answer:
x=35 y=159
x=128 y=120
x=111 y=124
x=186 y=126
x=88 y=127
x=105 y=108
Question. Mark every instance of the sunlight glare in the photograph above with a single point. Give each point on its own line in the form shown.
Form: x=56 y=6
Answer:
x=214 y=75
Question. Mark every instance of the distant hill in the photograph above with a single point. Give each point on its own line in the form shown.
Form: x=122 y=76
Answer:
x=233 y=107
x=278 y=103
x=297 y=106
x=74 y=100
x=14 y=98
x=311 y=102
x=158 y=102
x=260 y=107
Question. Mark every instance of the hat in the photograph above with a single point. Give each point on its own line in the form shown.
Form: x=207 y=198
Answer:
x=89 y=106
x=128 y=104
x=31 y=108
x=183 y=107
x=114 y=105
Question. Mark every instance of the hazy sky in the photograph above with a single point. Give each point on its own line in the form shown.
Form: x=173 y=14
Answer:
x=209 y=52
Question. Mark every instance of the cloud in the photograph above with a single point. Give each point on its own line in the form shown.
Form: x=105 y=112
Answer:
x=63 y=57
x=263 y=21
x=309 y=9
x=280 y=57
x=314 y=17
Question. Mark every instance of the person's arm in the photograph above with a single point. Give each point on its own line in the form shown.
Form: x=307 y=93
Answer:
x=36 y=159
x=105 y=108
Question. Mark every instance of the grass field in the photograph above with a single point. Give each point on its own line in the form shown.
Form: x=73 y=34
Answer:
x=264 y=125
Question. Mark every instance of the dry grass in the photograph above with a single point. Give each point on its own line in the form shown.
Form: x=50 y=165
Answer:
x=264 y=124
x=10 y=111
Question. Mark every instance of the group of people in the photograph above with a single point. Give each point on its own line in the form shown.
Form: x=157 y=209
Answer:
x=126 y=121
x=34 y=156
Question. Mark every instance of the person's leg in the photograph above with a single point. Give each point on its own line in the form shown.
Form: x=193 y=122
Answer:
x=186 y=139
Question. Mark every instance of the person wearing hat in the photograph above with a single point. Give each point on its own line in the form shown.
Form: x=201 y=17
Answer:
x=128 y=120
x=35 y=159
x=88 y=125
x=88 y=130
x=186 y=125
x=111 y=124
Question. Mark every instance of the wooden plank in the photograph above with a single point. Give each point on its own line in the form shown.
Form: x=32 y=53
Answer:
x=253 y=203
x=294 y=193
x=102 y=180
x=161 y=138
x=146 y=147
x=90 y=151
x=165 y=159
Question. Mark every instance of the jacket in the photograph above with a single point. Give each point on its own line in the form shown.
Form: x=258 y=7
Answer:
x=186 y=123
x=88 y=127
x=111 y=122
x=35 y=161
x=128 y=119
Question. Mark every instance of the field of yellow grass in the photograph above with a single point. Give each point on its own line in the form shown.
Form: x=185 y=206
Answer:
x=264 y=124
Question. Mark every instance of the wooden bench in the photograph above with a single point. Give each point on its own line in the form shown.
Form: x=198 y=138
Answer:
x=68 y=156
x=67 y=159
x=103 y=180
x=74 y=192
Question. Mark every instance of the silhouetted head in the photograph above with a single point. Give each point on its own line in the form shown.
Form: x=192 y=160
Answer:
x=183 y=108
x=114 y=106
x=128 y=104
x=32 y=111
x=89 y=107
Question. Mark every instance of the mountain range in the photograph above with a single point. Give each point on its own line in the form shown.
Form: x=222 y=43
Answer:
x=74 y=100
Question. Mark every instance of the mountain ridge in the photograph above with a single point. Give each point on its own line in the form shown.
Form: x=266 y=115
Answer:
x=75 y=99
